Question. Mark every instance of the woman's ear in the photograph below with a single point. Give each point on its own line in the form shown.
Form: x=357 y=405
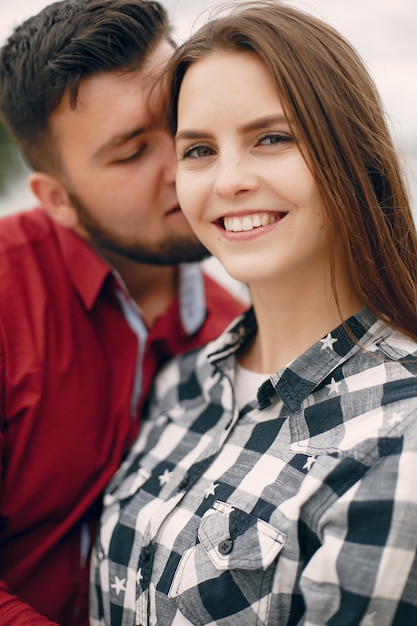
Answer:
x=54 y=199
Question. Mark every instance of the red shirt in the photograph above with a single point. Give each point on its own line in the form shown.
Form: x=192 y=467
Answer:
x=67 y=366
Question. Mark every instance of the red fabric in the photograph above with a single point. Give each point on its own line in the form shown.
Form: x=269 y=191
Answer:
x=67 y=361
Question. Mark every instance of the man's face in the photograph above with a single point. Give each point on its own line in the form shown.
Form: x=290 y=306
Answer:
x=118 y=168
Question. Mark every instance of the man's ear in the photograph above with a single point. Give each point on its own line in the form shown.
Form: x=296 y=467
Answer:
x=54 y=199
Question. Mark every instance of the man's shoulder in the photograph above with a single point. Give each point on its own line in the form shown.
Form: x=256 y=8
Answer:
x=22 y=229
x=29 y=249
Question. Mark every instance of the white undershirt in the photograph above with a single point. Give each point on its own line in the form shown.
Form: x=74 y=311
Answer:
x=247 y=384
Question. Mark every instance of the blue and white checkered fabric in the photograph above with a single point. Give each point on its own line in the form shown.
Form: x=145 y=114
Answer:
x=301 y=508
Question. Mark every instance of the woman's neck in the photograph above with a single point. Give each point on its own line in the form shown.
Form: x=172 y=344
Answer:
x=291 y=320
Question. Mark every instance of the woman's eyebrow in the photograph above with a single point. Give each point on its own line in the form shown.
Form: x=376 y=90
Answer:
x=258 y=124
x=192 y=134
x=263 y=122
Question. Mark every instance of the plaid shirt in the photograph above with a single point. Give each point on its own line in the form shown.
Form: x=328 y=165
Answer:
x=300 y=508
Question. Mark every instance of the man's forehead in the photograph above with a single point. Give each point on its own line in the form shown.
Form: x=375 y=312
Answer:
x=104 y=117
x=113 y=106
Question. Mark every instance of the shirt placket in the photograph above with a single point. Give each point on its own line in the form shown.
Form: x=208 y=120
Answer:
x=183 y=482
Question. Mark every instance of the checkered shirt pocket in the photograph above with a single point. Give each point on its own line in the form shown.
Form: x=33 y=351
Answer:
x=227 y=573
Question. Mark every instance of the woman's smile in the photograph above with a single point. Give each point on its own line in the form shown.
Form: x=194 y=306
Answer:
x=248 y=222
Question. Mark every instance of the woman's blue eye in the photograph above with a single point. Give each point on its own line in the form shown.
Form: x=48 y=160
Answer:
x=274 y=138
x=198 y=152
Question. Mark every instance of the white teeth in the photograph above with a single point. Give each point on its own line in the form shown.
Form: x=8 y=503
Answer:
x=236 y=225
x=248 y=222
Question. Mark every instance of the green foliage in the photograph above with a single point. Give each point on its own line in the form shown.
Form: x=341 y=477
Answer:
x=11 y=165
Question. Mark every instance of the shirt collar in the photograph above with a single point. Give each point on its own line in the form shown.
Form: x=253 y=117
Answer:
x=192 y=297
x=296 y=381
x=88 y=272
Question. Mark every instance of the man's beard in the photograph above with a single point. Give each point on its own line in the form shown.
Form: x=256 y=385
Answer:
x=179 y=249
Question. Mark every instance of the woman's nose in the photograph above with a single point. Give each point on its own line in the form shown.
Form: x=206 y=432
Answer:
x=234 y=176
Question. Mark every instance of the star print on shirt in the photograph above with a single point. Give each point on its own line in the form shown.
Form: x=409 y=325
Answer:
x=119 y=585
x=164 y=478
x=310 y=462
x=333 y=387
x=328 y=342
x=397 y=418
x=210 y=491
x=139 y=577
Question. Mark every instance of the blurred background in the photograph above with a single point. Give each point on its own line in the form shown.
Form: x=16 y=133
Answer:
x=382 y=31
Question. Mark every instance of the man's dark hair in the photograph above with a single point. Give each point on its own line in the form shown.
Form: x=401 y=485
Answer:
x=53 y=51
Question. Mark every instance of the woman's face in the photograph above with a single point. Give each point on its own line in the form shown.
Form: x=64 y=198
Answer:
x=242 y=181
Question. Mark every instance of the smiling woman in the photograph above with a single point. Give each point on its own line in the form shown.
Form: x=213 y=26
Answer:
x=274 y=479
x=241 y=162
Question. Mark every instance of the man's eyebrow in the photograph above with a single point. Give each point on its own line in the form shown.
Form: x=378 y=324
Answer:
x=119 y=140
x=258 y=124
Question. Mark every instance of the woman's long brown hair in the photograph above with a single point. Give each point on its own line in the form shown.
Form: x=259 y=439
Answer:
x=329 y=96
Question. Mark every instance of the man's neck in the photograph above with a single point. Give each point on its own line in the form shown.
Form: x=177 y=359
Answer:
x=152 y=287
x=155 y=296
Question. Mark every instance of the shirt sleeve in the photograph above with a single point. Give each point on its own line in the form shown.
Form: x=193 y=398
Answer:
x=365 y=570
x=14 y=612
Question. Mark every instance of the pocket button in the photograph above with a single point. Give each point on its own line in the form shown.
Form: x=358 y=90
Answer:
x=225 y=547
